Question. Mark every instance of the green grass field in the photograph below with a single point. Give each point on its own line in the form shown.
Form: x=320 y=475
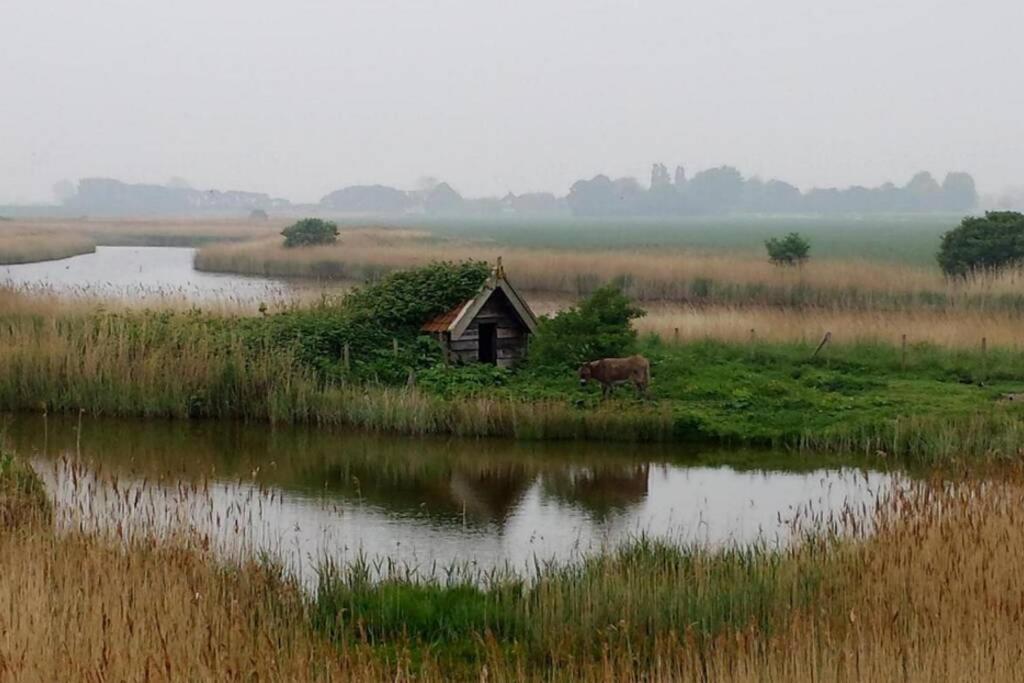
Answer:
x=908 y=238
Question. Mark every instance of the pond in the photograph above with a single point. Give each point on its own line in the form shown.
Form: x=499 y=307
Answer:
x=141 y=272
x=306 y=493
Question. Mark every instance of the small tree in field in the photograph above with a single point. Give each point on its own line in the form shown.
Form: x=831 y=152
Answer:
x=791 y=250
x=309 y=232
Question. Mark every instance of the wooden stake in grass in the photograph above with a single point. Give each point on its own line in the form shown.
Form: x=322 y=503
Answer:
x=824 y=340
x=984 y=358
x=345 y=358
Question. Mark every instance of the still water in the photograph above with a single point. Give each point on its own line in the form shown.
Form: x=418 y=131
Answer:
x=139 y=272
x=307 y=493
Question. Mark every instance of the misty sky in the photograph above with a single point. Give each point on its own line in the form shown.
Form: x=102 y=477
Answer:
x=297 y=98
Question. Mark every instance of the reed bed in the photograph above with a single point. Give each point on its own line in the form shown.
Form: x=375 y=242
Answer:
x=687 y=276
x=158 y=604
x=18 y=246
x=922 y=586
x=153 y=232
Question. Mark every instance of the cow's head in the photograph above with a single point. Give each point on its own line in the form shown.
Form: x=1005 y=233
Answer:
x=586 y=372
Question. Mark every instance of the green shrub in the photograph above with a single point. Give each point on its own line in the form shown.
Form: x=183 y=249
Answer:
x=791 y=250
x=370 y=318
x=459 y=381
x=309 y=232
x=995 y=241
x=600 y=327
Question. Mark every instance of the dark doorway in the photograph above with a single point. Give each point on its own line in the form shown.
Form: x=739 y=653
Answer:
x=489 y=343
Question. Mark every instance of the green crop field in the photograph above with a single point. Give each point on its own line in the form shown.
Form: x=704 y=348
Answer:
x=910 y=239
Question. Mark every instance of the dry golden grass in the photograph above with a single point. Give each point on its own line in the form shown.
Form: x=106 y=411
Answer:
x=645 y=274
x=962 y=329
x=26 y=247
x=135 y=231
x=82 y=608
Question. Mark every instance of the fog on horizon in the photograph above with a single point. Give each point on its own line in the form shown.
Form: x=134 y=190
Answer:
x=299 y=98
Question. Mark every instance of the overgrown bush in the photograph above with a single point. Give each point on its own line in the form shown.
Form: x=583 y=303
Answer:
x=989 y=243
x=370 y=318
x=791 y=250
x=600 y=327
x=310 y=232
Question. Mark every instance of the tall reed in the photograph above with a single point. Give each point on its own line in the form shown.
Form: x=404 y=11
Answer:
x=922 y=586
x=688 y=276
x=21 y=247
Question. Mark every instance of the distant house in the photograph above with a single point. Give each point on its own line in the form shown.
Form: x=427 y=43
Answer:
x=493 y=327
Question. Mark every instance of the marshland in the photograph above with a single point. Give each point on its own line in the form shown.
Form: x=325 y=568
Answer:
x=487 y=341
x=287 y=480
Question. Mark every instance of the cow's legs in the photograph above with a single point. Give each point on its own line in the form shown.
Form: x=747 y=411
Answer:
x=641 y=388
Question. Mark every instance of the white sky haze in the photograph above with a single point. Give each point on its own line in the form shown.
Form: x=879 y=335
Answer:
x=301 y=97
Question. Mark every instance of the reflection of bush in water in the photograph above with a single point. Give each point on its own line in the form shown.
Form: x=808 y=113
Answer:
x=600 y=490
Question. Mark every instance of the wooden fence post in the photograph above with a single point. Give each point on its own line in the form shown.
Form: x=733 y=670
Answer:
x=675 y=335
x=345 y=357
x=824 y=340
x=984 y=358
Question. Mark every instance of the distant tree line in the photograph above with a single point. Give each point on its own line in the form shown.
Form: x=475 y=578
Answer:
x=718 y=190
x=724 y=190
x=105 y=195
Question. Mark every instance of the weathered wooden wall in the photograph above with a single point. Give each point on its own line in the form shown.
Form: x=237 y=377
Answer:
x=512 y=334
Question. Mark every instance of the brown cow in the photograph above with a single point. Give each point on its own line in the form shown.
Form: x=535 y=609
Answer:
x=610 y=372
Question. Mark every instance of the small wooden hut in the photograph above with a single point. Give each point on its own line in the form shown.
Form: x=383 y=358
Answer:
x=493 y=327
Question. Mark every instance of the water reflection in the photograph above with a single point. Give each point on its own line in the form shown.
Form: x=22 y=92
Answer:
x=308 y=493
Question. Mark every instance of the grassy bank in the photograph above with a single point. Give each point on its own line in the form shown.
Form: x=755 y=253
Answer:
x=567 y=618
x=923 y=587
x=928 y=404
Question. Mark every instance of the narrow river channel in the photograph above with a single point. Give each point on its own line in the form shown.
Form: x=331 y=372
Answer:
x=142 y=272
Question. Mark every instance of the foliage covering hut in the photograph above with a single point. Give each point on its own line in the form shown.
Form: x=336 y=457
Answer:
x=492 y=327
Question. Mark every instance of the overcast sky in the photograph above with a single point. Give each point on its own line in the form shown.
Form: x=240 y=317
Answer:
x=299 y=97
